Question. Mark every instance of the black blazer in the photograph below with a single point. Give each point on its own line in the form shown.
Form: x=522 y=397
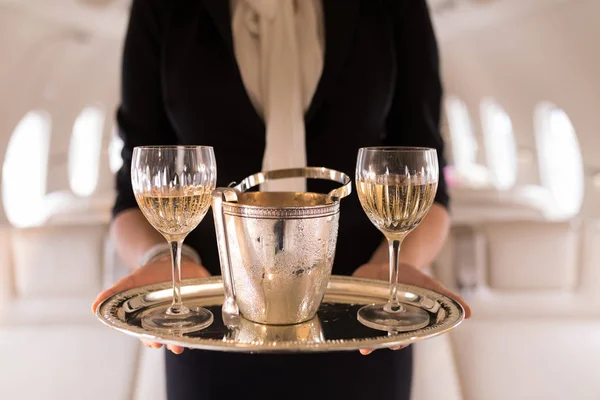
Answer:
x=380 y=85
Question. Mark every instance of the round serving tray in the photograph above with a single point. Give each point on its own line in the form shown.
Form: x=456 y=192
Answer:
x=335 y=328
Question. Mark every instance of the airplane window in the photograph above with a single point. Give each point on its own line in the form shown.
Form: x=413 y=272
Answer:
x=500 y=147
x=84 y=151
x=114 y=151
x=467 y=171
x=25 y=169
x=561 y=164
x=464 y=145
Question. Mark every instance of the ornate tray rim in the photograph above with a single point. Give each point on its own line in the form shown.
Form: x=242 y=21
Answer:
x=455 y=314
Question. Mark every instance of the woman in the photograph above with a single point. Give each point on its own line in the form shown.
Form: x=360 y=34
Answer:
x=270 y=84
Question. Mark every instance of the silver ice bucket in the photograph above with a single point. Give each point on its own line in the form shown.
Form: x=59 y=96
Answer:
x=276 y=248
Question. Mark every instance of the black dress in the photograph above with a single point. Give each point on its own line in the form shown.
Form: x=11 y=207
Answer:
x=380 y=86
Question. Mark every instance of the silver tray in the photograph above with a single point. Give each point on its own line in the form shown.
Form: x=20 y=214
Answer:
x=335 y=328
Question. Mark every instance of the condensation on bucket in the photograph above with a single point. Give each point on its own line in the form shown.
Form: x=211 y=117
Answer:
x=281 y=268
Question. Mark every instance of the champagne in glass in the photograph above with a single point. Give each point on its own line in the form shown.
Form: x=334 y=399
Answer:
x=396 y=187
x=173 y=187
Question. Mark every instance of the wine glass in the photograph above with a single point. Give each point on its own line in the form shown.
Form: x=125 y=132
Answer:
x=173 y=186
x=396 y=187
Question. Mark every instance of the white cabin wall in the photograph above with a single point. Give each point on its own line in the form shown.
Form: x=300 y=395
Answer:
x=61 y=70
x=16 y=43
x=85 y=77
x=548 y=55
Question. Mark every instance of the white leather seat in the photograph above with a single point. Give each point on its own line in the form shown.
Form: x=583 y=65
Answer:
x=435 y=373
x=533 y=334
x=151 y=381
x=52 y=346
x=536 y=310
x=55 y=261
x=66 y=361
x=528 y=358
x=533 y=256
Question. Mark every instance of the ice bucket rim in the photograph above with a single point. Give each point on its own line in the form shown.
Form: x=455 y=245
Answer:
x=231 y=206
x=287 y=212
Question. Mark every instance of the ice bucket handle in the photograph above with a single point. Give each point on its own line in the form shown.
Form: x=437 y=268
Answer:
x=307 y=172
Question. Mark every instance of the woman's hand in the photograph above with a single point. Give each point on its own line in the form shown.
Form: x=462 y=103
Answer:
x=155 y=272
x=409 y=275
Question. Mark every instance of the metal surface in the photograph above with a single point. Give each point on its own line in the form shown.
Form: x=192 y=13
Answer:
x=276 y=249
x=307 y=172
x=334 y=328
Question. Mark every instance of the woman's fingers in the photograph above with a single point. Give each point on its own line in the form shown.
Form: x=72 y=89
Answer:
x=123 y=284
x=152 y=345
x=366 y=352
x=155 y=345
x=438 y=287
x=175 y=349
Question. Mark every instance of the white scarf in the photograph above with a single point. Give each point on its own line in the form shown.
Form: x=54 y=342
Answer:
x=279 y=49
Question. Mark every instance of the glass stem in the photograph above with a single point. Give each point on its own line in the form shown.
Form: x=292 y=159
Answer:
x=394 y=304
x=177 y=306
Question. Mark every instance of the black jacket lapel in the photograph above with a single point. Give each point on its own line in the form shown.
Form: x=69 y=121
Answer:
x=219 y=11
x=340 y=21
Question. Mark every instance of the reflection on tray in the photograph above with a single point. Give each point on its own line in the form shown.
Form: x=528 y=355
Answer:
x=334 y=321
x=251 y=332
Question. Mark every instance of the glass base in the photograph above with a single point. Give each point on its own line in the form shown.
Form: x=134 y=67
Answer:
x=383 y=318
x=186 y=321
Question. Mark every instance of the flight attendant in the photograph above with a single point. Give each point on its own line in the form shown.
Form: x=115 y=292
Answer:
x=274 y=84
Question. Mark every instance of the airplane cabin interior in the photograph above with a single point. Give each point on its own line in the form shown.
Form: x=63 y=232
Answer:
x=520 y=123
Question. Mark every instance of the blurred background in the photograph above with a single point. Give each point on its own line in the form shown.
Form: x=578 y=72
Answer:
x=521 y=123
